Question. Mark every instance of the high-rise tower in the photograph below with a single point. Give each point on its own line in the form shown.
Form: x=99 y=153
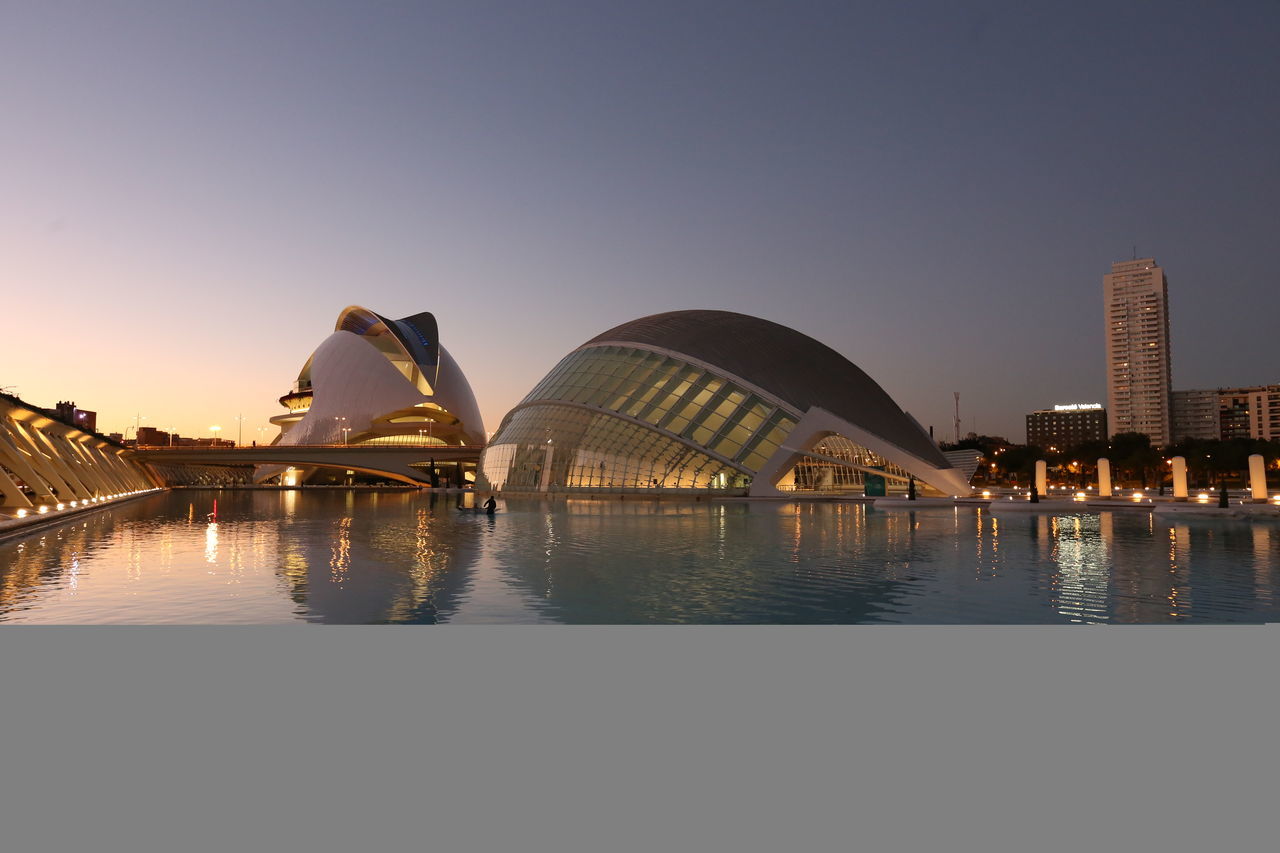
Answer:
x=1136 y=294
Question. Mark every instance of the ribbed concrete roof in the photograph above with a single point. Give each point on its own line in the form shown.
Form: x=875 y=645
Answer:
x=790 y=365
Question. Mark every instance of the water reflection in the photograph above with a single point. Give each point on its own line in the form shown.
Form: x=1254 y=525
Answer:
x=659 y=562
x=211 y=543
x=1080 y=552
x=406 y=557
x=1264 y=555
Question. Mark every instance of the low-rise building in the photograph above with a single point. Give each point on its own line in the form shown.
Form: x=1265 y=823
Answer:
x=67 y=412
x=1227 y=413
x=1067 y=425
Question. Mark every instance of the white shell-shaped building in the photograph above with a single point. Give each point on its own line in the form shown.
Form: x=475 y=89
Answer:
x=381 y=381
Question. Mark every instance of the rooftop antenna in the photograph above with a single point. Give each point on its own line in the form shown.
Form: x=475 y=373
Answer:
x=957 y=393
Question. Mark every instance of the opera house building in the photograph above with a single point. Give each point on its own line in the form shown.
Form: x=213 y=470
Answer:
x=713 y=400
x=378 y=381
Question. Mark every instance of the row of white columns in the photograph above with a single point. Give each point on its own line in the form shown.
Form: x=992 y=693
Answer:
x=1257 y=477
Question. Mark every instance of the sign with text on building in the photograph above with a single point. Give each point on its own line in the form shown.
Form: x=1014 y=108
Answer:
x=1077 y=407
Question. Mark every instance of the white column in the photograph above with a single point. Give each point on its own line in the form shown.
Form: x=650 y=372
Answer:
x=1179 y=478
x=1104 y=478
x=1258 y=477
x=547 y=452
x=1042 y=477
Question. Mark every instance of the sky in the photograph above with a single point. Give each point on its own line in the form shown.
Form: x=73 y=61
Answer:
x=190 y=193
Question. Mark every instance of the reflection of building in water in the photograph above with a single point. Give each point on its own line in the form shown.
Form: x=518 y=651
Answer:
x=1147 y=583
x=711 y=563
x=988 y=559
x=400 y=564
x=1264 y=553
x=29 y=567
x=1180 y=599
x=1081 y=553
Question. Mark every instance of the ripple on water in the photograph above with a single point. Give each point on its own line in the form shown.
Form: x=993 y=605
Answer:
x=334 y=557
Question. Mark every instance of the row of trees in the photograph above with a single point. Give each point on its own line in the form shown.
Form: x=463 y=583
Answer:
x=1134 y=462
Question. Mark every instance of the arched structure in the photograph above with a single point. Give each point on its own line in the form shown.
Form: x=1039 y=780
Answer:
x=378 y=381
x=711 y=400
x=46 y=464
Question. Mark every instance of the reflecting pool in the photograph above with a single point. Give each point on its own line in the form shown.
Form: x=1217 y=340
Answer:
x=257 y=557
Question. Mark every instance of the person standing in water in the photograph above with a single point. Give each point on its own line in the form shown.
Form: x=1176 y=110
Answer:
x=490 y=505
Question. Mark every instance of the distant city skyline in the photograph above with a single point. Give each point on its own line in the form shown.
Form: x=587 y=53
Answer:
x=192 y=194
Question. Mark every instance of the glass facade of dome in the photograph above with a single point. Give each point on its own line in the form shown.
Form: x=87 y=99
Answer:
x=702 y=400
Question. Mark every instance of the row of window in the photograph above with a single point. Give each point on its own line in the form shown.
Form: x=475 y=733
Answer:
x=549 y=447
x=683 y=399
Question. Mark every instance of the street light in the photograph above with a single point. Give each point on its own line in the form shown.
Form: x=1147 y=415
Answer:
x=137 y=420
x=214 y=442
x=239 y=430
x=341 y=424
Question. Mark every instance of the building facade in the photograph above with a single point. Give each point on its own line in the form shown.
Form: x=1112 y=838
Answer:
x=152 y=437
x=1067 y=425
x=1195 y=415
x=1228 y=413
x=67 y=412
x=1264 y=412
x=1139 y=390
x=704 y=400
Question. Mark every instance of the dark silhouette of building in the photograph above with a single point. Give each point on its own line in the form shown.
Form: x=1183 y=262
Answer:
x=67 y=412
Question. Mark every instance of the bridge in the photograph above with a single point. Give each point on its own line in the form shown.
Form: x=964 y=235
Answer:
x=404 y=463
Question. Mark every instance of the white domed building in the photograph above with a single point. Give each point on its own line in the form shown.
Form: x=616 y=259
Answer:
x=378 y=381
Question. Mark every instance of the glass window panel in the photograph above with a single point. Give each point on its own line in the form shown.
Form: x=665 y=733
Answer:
x=676 y=424
x=729 y=405
x=738 y=434
x=726 y=447
x=713 y=422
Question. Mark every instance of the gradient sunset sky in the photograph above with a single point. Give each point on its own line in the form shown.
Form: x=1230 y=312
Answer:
x=192 y=192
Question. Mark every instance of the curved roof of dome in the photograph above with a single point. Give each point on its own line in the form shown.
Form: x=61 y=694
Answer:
x=788 y=364
x=418 y=336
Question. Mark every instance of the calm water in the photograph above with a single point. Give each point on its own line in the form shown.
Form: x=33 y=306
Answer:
x=406 y=557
